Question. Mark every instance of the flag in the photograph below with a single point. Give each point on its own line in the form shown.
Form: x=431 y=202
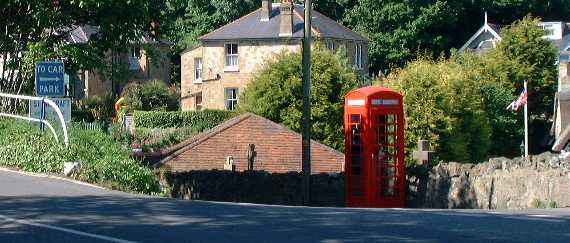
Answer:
x=520 y=101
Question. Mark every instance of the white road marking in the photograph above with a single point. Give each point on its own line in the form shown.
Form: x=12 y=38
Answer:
x=51 y=177
x=101 y=237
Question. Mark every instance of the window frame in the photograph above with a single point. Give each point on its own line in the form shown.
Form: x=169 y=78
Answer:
x=549 y=30
x=199 y=106
x=232 y=100
x=233 y=57
x=358 y=58
x=198 y=69
x=331 y=45
x=136 y=52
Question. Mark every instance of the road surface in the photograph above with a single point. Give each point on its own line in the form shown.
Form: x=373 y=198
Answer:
x=39 y=209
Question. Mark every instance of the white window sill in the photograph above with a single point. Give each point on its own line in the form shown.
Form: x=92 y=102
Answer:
x=197 y=81
x=231 y=69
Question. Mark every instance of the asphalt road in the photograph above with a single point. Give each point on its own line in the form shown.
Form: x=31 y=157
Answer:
x=36 y=209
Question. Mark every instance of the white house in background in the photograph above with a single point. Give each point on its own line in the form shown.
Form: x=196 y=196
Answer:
x=489 y=35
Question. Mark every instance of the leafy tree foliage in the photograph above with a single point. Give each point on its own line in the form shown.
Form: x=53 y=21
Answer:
x=444 y=106
x=398 y=30
x=276 y=93
x=37 y=30
x=186 y=20
x=533 y=58
x=458 y=103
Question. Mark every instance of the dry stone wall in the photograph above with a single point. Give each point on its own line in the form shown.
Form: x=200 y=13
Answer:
x=500 y=183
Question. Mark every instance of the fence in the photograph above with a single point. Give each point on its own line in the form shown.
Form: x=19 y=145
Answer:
x=45 y=122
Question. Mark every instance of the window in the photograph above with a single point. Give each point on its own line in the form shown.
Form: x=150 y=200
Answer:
x=134 y=59
x=548 y=29
x=197 y=70
x=136 y=52
x=232 y=98
x=232 y=56
x=198 y=102
x=487 y=44
x=330 y=45
x=358 y=59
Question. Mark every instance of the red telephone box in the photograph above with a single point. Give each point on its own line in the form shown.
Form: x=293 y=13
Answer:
x=374 y=148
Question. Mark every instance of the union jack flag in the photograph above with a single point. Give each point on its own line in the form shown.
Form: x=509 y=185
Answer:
x=516 y=104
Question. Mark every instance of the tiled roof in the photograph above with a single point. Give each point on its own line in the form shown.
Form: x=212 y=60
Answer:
x=250 y=26
x=278 y=147
x=81 y=35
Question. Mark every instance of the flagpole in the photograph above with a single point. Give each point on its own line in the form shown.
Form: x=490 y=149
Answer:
x=526 y=123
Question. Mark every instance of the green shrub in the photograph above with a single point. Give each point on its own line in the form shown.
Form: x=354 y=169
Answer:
x=198 y=120
x=276 y=93
x=94 y=109
x=442 y=104
x=552 y=204
x=152 y=95
x=104 y=161
x=155 y=139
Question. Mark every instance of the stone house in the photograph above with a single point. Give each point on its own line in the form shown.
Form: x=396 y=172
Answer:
x=220 y=68
x=277 y=148
x=489 y=35
x=145 y=60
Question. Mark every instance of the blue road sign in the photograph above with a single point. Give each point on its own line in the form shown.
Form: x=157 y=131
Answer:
x=50 y=79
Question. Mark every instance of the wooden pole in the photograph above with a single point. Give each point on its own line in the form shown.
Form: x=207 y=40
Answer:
x=306 y=119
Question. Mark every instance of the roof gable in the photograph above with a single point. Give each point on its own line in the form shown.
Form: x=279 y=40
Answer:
x=250 y=26
x=178 y=149
x=486 y=28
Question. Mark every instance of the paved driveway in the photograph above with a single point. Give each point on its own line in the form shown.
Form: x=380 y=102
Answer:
x=36 y=209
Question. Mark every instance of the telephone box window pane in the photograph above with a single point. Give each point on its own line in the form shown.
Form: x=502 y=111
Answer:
x=356 y=165
x=355 y=118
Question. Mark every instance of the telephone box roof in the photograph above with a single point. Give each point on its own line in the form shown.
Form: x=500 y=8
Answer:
x=372 y=90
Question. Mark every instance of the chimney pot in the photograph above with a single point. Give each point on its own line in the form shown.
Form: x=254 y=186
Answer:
x=286 y=12
x=266 y=10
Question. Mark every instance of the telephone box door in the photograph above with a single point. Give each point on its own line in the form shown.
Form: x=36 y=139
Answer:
x=388 y=159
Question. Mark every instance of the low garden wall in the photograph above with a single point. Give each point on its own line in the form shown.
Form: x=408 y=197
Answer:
x=255 y=187
x=500 y=183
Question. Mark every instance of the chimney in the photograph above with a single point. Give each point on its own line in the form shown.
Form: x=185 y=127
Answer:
x=266 y=10
x=286 y=26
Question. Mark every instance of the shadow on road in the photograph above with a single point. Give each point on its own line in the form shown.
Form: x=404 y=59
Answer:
x=167 y=220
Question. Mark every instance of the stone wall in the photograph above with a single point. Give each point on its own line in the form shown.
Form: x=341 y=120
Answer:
x=500 y=183
x=255 y=187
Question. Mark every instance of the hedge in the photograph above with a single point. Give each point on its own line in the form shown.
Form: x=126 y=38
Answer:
x=103 y=160
x=199 y=120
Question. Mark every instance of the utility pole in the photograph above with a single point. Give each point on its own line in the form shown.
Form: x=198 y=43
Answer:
x=306 y=119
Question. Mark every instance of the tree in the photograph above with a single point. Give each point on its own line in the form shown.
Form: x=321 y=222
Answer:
x=444 y=106
x=399 y=30
x=37 y=30
x=275 y=93
x=186 y=20
x=533 y=58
